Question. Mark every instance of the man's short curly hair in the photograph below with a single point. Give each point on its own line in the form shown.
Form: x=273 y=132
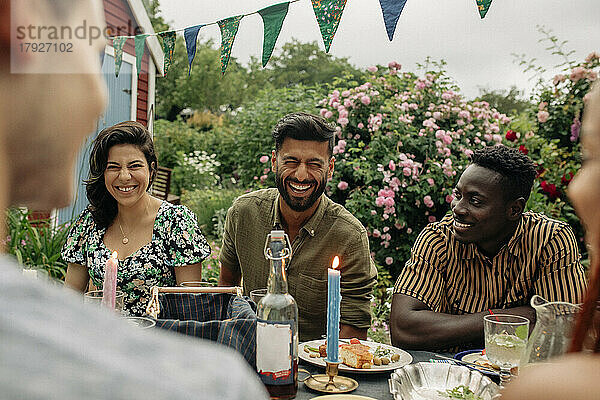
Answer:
x=517 y=170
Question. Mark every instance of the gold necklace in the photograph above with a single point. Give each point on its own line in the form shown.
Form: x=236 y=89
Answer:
x=125 y=239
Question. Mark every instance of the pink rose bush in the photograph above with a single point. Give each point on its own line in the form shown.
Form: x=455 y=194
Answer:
x=403 y=142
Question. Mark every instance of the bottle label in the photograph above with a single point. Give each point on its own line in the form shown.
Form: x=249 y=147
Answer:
x=274 y=360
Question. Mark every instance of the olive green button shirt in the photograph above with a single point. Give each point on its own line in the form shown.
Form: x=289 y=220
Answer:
x=331 y=231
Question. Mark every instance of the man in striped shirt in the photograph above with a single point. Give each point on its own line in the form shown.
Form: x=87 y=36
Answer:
x=486 y=255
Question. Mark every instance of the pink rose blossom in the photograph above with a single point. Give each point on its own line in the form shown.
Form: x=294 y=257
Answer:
x=430 y=181
x=360 y=125
x=408 y=230
x=389 y=260
x=345 y=93
x=427 y=201
x=264 y=159
x=376 y=233
x=432 y=218
x=392 y=165
x=449 y=198
x=372 y=69
x=342 y=185
x=543 y=116
x=366 y=100
x=328 y=114
x=406 y=171
x=323 y=112
x=373 y=212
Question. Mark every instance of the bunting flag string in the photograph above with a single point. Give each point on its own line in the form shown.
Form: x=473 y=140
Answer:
x=329 y=14
x=118 y=43
x=191 y=36
x=168 y=38
x=272 y=21
x=391 y=10
x=140 y=41
x=229 y=28
x=483 y=6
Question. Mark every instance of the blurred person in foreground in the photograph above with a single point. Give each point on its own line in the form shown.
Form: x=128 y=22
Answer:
x=52 y=346
x=576 y=376
x=487 y=254
x=158 y=243
x=318 y=229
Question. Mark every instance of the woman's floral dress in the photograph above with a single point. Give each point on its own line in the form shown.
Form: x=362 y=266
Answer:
x=176 y=241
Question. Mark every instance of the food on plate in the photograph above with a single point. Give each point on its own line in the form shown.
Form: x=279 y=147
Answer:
x=459 y=392
x=355 y=355
x=323 y=350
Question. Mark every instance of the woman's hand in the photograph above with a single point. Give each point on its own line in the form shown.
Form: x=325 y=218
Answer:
x=188 y=273
x=77 y=277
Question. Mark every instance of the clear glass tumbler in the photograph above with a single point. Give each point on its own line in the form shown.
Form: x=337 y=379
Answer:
x=505 y=341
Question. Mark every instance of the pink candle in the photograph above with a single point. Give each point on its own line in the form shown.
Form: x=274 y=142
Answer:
x=109 y=288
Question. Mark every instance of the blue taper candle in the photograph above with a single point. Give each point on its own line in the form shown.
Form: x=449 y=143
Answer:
x=333 y=311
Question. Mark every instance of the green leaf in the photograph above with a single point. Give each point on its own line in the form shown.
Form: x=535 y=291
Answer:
x=522 y=331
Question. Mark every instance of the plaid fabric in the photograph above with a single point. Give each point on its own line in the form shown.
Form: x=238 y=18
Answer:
x=221 y=317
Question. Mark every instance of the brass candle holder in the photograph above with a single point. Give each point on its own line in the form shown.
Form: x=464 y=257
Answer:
x=331 y=382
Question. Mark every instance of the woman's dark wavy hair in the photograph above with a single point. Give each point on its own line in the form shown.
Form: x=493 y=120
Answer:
x=102 y=205
x=517 y=170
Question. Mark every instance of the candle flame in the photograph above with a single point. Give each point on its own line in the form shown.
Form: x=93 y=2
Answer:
x=336 y=262
x=114 y=255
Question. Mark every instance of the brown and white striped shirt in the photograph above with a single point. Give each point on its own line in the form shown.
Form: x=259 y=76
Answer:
x=451 y=277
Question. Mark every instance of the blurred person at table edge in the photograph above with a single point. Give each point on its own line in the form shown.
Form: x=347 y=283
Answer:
x=158 y=243
x=52 y=346
x=318 y=229
x=486 y=255
x=575 y=376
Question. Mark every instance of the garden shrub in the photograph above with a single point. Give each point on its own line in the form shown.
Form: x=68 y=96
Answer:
x=403 y=140
x=206 y=203
x=35 y=242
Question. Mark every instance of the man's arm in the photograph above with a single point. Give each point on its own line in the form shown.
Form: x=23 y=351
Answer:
x=414 y=326
x=229 y=273
x=349 y=332
x=228 y=277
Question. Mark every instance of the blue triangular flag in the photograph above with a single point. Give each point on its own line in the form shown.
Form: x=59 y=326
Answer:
x=391 y=12
x=191 y=36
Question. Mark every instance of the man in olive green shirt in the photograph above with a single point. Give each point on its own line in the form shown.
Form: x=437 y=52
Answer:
x=318 y=228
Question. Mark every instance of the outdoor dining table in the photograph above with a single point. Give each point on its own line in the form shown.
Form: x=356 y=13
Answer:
x=373 y=385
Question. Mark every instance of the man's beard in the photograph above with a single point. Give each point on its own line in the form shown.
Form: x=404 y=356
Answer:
x=299 y=204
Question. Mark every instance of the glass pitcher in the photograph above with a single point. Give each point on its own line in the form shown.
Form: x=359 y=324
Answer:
x=552 y=332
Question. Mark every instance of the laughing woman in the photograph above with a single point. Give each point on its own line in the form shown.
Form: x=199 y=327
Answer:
x=158 y=244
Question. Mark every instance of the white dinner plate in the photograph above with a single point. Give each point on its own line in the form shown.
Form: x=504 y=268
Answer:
x=405 y=358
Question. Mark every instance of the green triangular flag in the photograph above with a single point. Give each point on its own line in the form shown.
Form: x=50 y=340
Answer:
x=118 y=42
x=272 y=20
x=483 y=6
x=328 y=13
x=229 y=27
x=168 y=48
x=140 y=40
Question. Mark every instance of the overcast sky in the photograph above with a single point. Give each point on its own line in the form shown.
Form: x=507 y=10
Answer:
x=478 y=52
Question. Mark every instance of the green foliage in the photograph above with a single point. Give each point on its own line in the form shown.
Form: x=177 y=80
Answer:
x=253 y=125
x=206 y=203
x=210 y=266
x=299 y=63
x=509 y=102
x=205 y=88
x=35 y=243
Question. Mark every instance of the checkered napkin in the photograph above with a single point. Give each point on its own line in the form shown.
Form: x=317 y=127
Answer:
x=220 y=317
